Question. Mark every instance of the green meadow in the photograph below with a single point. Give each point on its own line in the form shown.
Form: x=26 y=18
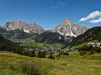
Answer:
x=74 y=64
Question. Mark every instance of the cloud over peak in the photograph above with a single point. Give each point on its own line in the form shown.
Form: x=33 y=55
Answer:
x=92 y=16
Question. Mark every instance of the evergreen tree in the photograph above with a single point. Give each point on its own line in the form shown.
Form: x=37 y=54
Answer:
x=51 y=56
x=43 y=54
x=39 y=54
x=32 y=54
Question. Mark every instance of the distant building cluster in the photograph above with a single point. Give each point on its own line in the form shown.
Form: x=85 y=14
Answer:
x=23 y=41
x=94 y=44
x=52 y=49
x=69 y=50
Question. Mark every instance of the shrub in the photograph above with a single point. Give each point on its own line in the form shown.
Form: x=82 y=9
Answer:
x=57 y=56
x=63 y=53
x=32 y=54
x=51 y=56
x=30 y=68
x=91 y=49
x=82 y=53
x=41 y=54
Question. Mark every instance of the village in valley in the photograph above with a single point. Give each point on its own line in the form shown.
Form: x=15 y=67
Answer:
x=52 y=48
x=94 y=44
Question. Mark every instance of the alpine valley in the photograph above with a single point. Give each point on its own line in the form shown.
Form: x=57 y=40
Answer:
x=21 y=29
x=50 y=37
x=28 y=49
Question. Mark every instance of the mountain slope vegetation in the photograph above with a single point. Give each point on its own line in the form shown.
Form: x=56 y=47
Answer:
x=6 y=45
x=15 y=34
x=50 y=37
x=90 y=35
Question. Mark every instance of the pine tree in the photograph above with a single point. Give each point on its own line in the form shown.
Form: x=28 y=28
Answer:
x=43 y=54
x=32 y=54
x=39 y=54
x=51 y=56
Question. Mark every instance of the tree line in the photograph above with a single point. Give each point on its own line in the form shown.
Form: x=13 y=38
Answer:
x=89 y=49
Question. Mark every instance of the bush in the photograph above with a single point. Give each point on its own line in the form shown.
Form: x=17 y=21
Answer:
x=86 y=49
x=30 y=68
x=32 y=54
x=51 y=56
x=99 y=50
x=66 y=53
x=63 y=53
x=41 y=54
x=82 y=53
x=57 y=56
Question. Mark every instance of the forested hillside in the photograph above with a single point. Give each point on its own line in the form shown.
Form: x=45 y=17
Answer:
x=6 y=45
x=15 y=34
x=50 y=37
x=90 y=35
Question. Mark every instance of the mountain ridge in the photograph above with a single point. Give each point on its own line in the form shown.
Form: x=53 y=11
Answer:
x=28 y=28
x=15 y=34
x=67 y=28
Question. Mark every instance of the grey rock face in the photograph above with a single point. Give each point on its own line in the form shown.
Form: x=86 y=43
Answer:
x=67 y=28
x=28 y=28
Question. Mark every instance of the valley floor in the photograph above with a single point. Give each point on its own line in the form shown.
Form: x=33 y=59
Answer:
x=74 y=64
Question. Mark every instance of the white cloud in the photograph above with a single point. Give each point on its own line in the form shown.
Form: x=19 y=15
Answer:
x=59 y=4
x=62 y=4
x=52 y=7
x=95 y=21
x=91 y=16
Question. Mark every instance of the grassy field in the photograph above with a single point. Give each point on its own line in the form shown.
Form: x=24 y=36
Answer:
x=11 y=39
x=74 y=64
x=31 y=42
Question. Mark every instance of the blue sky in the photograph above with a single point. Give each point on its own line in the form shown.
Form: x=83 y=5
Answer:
x=50 y=13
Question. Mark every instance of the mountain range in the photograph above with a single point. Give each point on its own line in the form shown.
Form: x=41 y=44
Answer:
x=67 y=28
x=21 y=25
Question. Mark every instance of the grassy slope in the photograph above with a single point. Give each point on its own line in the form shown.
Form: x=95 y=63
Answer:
x=40 y=45
x=78 y=46
x=66 y=65
x=11 y=39
x=31 y=42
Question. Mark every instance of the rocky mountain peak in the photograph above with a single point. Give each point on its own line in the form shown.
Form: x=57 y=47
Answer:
x=83 y=25
x=28 y=28
x=67 y=28
x=65 y=21
x=33 y=24
x=19 y=21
